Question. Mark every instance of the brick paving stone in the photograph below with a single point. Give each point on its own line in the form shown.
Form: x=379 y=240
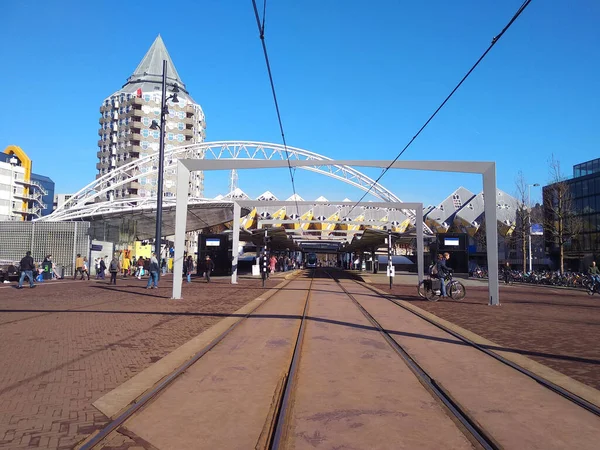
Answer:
x=65 y=344
x=555 y=327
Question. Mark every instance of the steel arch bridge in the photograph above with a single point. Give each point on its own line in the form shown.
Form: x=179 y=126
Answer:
x=93 y=200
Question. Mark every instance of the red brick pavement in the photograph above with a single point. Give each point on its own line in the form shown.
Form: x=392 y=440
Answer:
x=559 y=328
x=66 y=343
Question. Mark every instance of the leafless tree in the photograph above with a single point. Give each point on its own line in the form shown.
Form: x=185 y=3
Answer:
x=520 y=233
x=561 y=223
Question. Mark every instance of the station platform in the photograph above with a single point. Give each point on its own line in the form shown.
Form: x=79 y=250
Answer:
x=343 y=383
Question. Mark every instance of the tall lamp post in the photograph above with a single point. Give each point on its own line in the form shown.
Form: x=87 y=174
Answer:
x=529 y=233
x=161 y=157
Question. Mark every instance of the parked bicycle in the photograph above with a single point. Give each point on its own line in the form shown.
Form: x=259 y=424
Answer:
x=431 y=289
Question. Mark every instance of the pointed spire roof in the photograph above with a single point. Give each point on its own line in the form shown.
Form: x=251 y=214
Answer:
x=150 y=68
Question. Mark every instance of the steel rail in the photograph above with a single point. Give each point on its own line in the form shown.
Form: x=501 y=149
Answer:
x=290 y=382
x=143 y=401
x=583 y=403
x=477 y=433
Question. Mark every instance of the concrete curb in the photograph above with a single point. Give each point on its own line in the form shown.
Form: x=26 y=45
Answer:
x=115 y=401
x=576 y=387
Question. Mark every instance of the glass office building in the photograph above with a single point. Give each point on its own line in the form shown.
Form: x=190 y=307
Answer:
x=585 y=194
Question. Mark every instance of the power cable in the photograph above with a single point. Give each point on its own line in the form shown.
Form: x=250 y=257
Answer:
x=494 y=41
x=261 y=31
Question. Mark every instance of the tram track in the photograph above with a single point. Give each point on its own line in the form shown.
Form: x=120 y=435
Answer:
x=276 y=432
x=474 y=432
x=581 y=402
x=279 y=431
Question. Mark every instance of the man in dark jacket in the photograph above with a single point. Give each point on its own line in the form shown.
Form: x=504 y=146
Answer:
x=443 y=271
x=101 y=268
x=27 y=268
x=209 y=266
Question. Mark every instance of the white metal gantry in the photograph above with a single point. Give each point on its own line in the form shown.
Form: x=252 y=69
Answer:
x=486 y=169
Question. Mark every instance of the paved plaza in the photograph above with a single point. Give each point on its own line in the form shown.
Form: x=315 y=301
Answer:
x=67 y=344
x=557 y=327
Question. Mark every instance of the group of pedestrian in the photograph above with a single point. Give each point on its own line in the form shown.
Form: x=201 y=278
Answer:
x=46 y=270
x=208 y=266
x=126 y=267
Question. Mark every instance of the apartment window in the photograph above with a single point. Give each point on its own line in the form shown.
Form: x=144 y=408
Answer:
x=155 y=134
x=146 y=121
x=146 y=97
x=180 y=126
x=145 y=133
x=170 y=136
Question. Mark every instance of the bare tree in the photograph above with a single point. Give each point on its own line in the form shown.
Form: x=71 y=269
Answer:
x=561 y=223
x=520 y=233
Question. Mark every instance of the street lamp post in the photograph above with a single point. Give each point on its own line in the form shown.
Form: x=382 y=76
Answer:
x=161 y=158
x=529 y=233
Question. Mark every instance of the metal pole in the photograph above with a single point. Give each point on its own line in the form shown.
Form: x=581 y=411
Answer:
x=420 y=243
x=161 y=157
x=390 y=265
x=183 y=178
x=529 y=231
x=491 y=233
x=236 y=242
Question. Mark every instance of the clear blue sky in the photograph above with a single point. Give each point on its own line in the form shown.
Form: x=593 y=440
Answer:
x=355 y=79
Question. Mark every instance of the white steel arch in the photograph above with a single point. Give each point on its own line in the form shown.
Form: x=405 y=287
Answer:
x=93 y=199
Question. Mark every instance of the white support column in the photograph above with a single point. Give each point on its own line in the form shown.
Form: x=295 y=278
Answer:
x=491 y=233
x=420 y=244
x=183 y=180
x=237 y=211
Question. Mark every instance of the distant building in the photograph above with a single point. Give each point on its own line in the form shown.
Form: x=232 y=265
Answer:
x=48 y=192
x=126 y=131
x=59 y=200
x=23 y=194
x=584 y=188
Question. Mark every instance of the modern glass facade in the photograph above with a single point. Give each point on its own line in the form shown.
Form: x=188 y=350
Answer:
x=585 y=191
x=585 y=195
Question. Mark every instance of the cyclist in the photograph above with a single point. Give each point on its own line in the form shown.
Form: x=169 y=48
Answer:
x=594 y=274
x=443 y=271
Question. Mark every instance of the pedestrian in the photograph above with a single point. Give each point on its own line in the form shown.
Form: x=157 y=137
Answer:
x=27 y=266
x=85 y=270
x=163 y=266
x=114 y=268
x=125 y=266
x=140 y=266
x=55 y=273
x=101 y=268
x=153 y=269
x=78 y=266
x=209 y=266
x=189 y=268
x=97 y=267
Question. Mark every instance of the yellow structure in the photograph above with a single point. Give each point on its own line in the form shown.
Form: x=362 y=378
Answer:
x=18 y=153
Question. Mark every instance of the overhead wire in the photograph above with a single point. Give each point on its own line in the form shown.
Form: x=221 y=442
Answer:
x=261 y=30
x=494 y=41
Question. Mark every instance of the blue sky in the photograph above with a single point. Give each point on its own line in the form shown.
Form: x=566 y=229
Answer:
x=355 y=79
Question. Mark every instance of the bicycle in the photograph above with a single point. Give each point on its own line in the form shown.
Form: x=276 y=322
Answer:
x=430 y=289
x=591 y=286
